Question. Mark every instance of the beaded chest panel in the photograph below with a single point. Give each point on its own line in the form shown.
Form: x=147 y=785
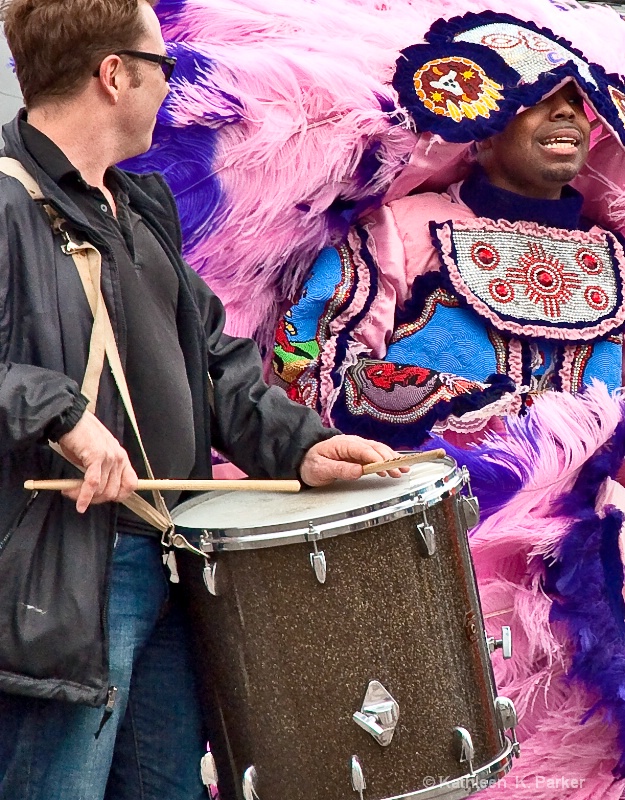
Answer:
x=531 y=281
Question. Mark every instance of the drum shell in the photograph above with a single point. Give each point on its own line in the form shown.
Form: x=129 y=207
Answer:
x=289 y=660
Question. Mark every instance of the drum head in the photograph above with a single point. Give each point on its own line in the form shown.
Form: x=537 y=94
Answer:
x=236 y=520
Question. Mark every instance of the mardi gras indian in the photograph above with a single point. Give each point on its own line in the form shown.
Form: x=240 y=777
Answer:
x=464 y=175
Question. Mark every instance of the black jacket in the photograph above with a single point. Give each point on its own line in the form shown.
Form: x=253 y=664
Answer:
x=54 y=562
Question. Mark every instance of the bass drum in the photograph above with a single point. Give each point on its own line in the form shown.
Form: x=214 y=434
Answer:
x=341 y=644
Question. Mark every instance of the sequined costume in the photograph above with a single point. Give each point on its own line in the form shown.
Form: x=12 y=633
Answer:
x=435 y=316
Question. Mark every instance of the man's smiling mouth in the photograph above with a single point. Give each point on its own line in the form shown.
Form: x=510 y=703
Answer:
x=563 y=141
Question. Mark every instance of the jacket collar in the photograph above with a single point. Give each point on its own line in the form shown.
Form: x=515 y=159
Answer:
x=147 y=193
x=15 y=148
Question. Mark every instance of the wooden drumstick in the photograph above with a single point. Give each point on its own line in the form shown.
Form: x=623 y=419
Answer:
x=403 y=461
x=178 y=486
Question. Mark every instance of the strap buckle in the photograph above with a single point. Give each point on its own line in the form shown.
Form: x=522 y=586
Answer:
x=167 y=536
x=69 y=246
x=59 y=226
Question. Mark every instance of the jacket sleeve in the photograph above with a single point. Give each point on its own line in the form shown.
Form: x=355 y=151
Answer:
x=35 y=403
x=256 y=426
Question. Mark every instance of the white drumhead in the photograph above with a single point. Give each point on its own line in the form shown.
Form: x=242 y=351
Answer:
x=237 y=511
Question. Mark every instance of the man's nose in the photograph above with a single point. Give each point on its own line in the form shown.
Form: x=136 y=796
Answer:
x=561 y=108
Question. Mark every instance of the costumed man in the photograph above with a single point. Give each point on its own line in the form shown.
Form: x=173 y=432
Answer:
x=462 y=314
x=96 y=690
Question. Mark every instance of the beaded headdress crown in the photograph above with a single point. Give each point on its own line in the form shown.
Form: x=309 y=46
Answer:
x=475 y=72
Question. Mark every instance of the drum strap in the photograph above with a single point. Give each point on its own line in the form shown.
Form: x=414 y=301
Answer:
x=88 y=262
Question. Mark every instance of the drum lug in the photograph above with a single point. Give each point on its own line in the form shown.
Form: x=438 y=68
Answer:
x=464 y=749
x=249 y=784
x=470 y=510
x=318 y=557
x=209 y=573
x=358 y=776
x=508 y=720
x=504 y=644
x=469 y=502
x=426 y=539
x=379 y=714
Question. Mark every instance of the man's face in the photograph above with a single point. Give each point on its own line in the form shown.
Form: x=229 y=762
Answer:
x=146 y=93
x=542 y=149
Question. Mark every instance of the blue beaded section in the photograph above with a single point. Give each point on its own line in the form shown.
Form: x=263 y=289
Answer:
x=454 y=340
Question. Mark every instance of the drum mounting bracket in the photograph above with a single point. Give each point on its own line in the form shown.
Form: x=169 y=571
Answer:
x=464 y=749
x=379 y=714
x=504 y=644
x=317 y=557
x=508 y=720
x=209 y=573
x=469 y=503
x=249 y=784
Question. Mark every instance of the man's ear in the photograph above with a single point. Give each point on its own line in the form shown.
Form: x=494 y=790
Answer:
x=109 y=77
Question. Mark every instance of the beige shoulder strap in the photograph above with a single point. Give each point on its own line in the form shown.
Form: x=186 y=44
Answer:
x=13 y=168
x=88 y=263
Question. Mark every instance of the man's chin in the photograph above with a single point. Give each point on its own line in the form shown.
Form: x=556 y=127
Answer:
x=561 y=173
x=138 y=148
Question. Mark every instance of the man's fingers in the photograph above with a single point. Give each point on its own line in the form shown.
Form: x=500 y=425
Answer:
x=366 y=451
x=393 y=473
x=342 y=457
x=109 y=476
x=110 y=491
x=128 y=483
x=90 y=487
x=343 y=470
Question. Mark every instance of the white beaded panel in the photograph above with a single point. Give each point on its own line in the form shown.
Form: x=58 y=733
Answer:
x=537 y=279
x=529 y=53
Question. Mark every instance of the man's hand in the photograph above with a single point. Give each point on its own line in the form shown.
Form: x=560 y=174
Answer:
x=109 y=476
x=342 y=458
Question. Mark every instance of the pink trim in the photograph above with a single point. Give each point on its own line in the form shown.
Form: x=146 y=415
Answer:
x=515 y=361
x=515 y=372
x=376 y=329
x=594 y=236
x=566 y=372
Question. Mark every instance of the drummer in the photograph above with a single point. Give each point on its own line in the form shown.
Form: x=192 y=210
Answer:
x=97 y=694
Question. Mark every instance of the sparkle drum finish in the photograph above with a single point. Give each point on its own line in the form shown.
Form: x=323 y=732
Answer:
x=344 y=653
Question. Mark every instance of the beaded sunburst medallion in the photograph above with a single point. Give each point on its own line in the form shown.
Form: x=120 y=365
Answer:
x=528 y=280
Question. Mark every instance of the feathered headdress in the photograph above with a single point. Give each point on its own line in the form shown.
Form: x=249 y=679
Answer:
x=288 y=118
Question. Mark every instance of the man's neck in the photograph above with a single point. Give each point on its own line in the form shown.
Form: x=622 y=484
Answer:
x=490 y=201
x=86 y=143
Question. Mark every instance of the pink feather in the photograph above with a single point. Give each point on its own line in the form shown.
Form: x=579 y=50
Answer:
x=308 y=77
x=509 y=549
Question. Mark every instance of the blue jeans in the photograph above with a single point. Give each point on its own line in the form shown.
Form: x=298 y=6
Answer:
x=150 y=748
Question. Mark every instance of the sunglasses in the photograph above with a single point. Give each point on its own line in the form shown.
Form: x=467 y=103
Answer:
x=167 y=63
